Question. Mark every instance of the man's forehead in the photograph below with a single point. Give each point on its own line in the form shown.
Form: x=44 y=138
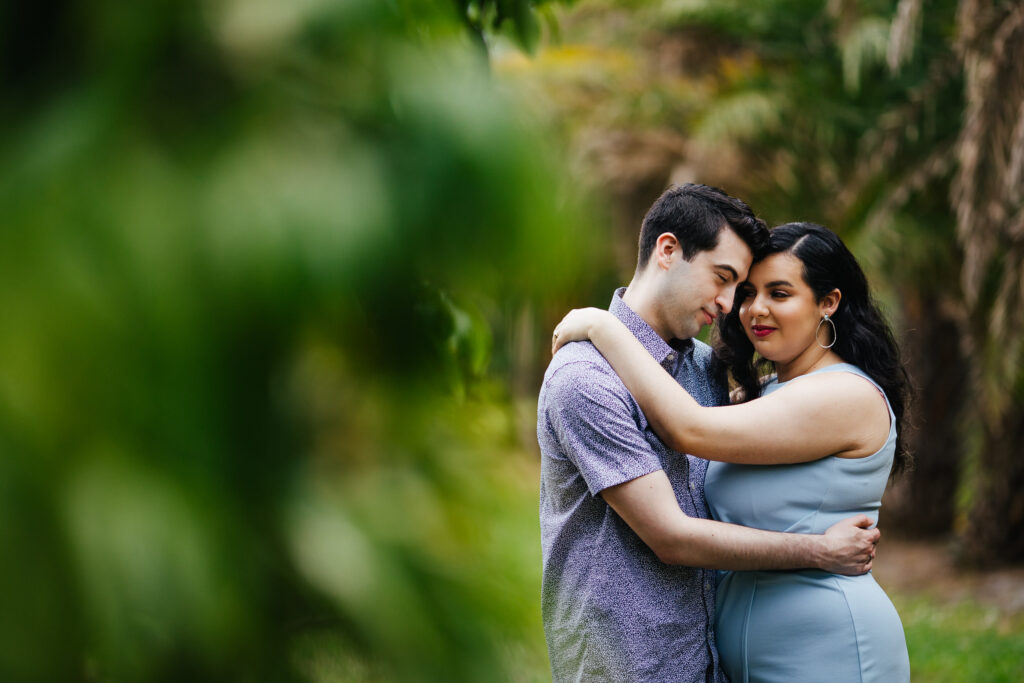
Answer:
x=731 y=252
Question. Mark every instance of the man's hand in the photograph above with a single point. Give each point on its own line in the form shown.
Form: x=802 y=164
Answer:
x=850 y=546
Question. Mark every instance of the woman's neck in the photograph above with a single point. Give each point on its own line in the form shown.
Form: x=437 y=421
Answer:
x=811 y=359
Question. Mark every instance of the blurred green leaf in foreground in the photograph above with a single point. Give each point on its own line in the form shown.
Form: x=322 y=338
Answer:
x=257 y=263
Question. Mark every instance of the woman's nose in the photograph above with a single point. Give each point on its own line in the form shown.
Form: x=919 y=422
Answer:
x=757 y=306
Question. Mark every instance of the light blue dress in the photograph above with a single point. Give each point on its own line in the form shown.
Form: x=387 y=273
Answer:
x=796 y=626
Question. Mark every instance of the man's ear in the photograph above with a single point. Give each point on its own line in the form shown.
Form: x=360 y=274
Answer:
x=666 y=249
x=830 y=302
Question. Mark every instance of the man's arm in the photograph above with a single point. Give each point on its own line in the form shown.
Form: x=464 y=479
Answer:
x=648 y=505
x=588 y=412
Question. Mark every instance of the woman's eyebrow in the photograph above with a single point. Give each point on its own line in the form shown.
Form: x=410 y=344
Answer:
x=779 y=283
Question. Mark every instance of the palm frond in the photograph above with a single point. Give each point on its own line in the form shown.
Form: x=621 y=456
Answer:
x=862 y=47
x=743 y=116
x=879 y=147
x=903 y=34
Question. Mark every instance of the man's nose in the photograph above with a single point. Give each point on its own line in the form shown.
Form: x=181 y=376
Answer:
x=725 y=299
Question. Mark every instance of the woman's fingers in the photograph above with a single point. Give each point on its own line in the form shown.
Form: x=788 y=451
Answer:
x=559 y=337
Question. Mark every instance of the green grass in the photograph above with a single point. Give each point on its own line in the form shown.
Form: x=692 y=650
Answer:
x=960 y=642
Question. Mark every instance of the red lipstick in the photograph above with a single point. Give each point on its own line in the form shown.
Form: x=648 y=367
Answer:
x=761 y=330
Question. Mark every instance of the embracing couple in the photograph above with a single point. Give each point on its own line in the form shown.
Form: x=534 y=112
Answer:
x=653 y=477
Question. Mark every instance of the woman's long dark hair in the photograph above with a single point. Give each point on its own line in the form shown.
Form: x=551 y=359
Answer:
x=863 y=337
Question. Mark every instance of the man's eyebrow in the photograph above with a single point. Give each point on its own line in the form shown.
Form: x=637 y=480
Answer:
x=726 y=266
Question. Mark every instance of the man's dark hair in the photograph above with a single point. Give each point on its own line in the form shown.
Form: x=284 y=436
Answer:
x=696 y=214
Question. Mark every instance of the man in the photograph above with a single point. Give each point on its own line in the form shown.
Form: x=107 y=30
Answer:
x=624 y=525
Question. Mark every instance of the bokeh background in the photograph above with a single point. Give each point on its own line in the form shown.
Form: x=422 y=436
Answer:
x=277 y=281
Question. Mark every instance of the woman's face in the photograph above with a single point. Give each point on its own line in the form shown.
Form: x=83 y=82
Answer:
x=779 y=311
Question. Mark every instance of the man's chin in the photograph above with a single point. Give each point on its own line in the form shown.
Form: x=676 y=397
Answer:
x=687 y=333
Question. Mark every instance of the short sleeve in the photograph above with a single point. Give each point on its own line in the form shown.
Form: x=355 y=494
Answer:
x=591 y=416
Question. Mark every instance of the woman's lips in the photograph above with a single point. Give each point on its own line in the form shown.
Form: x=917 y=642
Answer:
x=761 y=330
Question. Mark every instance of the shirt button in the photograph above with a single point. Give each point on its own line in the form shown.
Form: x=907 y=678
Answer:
x=707 y=586
x=692 y=485
x=670 y=357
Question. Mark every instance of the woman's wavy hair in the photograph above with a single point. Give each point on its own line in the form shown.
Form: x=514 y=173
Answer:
x=863 y=337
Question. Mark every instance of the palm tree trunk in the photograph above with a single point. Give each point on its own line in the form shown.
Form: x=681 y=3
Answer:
x=922 y=502
x=988 y=195
x=995 y=528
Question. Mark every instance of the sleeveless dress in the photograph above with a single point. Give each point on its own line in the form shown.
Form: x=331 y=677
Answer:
x=810 y=625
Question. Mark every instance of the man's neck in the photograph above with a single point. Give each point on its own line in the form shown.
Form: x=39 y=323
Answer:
x=641 y=296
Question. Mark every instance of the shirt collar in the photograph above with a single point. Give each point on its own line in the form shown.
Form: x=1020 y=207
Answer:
x=656 y=346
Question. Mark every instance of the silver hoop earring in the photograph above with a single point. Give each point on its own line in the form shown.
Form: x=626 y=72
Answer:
x=824 y=320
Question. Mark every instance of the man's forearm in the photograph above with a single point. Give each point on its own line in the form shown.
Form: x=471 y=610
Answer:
x=648 y=505
x=715 y=545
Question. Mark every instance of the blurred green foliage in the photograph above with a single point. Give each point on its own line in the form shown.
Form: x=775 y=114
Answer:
x=961 y=641
x=258 y=264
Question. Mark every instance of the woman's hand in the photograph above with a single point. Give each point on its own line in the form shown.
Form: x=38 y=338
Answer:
x=577 y=326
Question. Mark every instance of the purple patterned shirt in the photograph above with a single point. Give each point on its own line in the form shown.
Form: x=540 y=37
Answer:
x=612 y=610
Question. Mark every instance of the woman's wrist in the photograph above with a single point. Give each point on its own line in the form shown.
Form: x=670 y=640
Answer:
x=601 y=326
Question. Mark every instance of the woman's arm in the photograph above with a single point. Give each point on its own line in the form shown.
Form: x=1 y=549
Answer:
x=811 y=418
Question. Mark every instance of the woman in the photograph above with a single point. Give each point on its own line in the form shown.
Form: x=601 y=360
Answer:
x=816 y=443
